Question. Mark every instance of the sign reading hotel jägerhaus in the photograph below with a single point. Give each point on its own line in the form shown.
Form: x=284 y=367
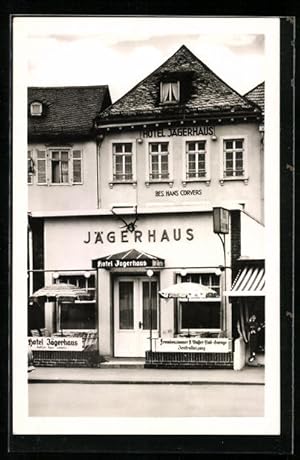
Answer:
x=178 y=131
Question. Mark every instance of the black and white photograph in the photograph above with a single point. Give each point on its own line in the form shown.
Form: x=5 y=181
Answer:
x=146 y=225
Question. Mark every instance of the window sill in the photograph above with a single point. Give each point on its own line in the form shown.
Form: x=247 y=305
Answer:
x=241 y=179
x=196 y=179
x=159 y=181
x=122 y=182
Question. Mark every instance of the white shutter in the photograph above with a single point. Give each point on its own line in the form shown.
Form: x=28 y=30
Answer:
x=41 y=167
x=77 y=166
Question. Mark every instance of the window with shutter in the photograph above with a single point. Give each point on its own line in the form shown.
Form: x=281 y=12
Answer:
x=41 y=167
x=77 y=167
x=29 y=167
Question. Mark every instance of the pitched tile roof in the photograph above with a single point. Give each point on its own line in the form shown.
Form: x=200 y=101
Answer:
x=257 y=95
x=201 y=93
x=66 y=110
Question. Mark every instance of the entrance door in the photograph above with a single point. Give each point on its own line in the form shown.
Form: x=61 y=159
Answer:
x=136 y=307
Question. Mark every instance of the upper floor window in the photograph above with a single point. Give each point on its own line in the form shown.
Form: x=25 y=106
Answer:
x=122 y=162
x=59 y=166
x=169 y=92
x=159 y=160
x=196 y=160
x=36 y=109
x=234 y=158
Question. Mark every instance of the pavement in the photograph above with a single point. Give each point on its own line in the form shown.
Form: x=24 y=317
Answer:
x=247 y=376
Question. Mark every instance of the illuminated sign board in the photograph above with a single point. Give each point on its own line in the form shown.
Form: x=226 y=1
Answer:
x=133 y=263
x=221 y=220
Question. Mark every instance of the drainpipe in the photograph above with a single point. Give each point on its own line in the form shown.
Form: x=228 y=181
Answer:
x=99 y=140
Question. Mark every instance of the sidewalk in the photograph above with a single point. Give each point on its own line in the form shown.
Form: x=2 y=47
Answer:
x=246 y=376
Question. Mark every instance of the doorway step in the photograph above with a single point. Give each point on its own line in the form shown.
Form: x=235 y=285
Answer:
x=129 y=363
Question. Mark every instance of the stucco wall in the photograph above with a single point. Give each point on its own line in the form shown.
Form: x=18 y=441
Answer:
x=182 y=240
x=206 y=192
x=65 y=197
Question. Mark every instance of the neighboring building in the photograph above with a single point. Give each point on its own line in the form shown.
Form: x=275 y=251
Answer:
x=257 y=95
x=140 y=197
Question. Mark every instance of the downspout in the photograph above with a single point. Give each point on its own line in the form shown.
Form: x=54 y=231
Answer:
x=262 y=135
x=99 y=140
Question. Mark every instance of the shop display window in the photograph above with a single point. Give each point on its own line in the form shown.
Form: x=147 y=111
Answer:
x=80 y=314
x=196 y=316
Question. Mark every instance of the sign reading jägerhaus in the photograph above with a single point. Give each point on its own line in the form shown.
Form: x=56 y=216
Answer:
x=178 y=132
x=139 y=236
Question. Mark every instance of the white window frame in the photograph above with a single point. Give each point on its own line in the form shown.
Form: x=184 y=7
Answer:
x=36 y=105
x=205 y=300
x=160 y=154
x=173 y=100
x=207 y=177
x=114 y=181
x=58 y=150
x=45 y=155
x=244 y=178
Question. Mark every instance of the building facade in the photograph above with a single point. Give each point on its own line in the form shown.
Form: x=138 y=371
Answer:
x=126 y=209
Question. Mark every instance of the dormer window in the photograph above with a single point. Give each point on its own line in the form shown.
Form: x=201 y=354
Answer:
x=36 y=109
x=169 y=92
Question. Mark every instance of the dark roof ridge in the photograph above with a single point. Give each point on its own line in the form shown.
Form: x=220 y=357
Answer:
x=253 y=89
x=69 y=86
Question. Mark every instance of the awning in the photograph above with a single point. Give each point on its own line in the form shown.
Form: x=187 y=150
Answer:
x=128 y=259
x=249 y=282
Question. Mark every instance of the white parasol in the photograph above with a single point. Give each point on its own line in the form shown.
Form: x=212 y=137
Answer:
x=60 y=291
x=188 y=291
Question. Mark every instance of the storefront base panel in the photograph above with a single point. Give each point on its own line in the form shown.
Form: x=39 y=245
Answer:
x=66 y=359
x=189 y=360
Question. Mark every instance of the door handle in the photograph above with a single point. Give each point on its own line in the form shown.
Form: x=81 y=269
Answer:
x=140 y=324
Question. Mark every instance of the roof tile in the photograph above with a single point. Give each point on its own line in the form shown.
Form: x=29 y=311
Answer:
x=66 y=110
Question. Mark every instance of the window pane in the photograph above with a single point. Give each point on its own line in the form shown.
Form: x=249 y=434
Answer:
x=146 y=305
x=126 y=304
x=64 y=156
x=200 y=315
x=229 y=155
x=78 y=316
x=191 y=146
x=153 y=147
x=239 y=155
x=164 y=147
x=228 y=144
x=55 y=172
x=201 y=145
x=64 y=172
x=239 y=144
x=55 y=155
x=127 y=148
x=118 y=148
x=239 y=164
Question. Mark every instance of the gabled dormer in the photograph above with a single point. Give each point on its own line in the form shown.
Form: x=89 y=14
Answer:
x=183 y=86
